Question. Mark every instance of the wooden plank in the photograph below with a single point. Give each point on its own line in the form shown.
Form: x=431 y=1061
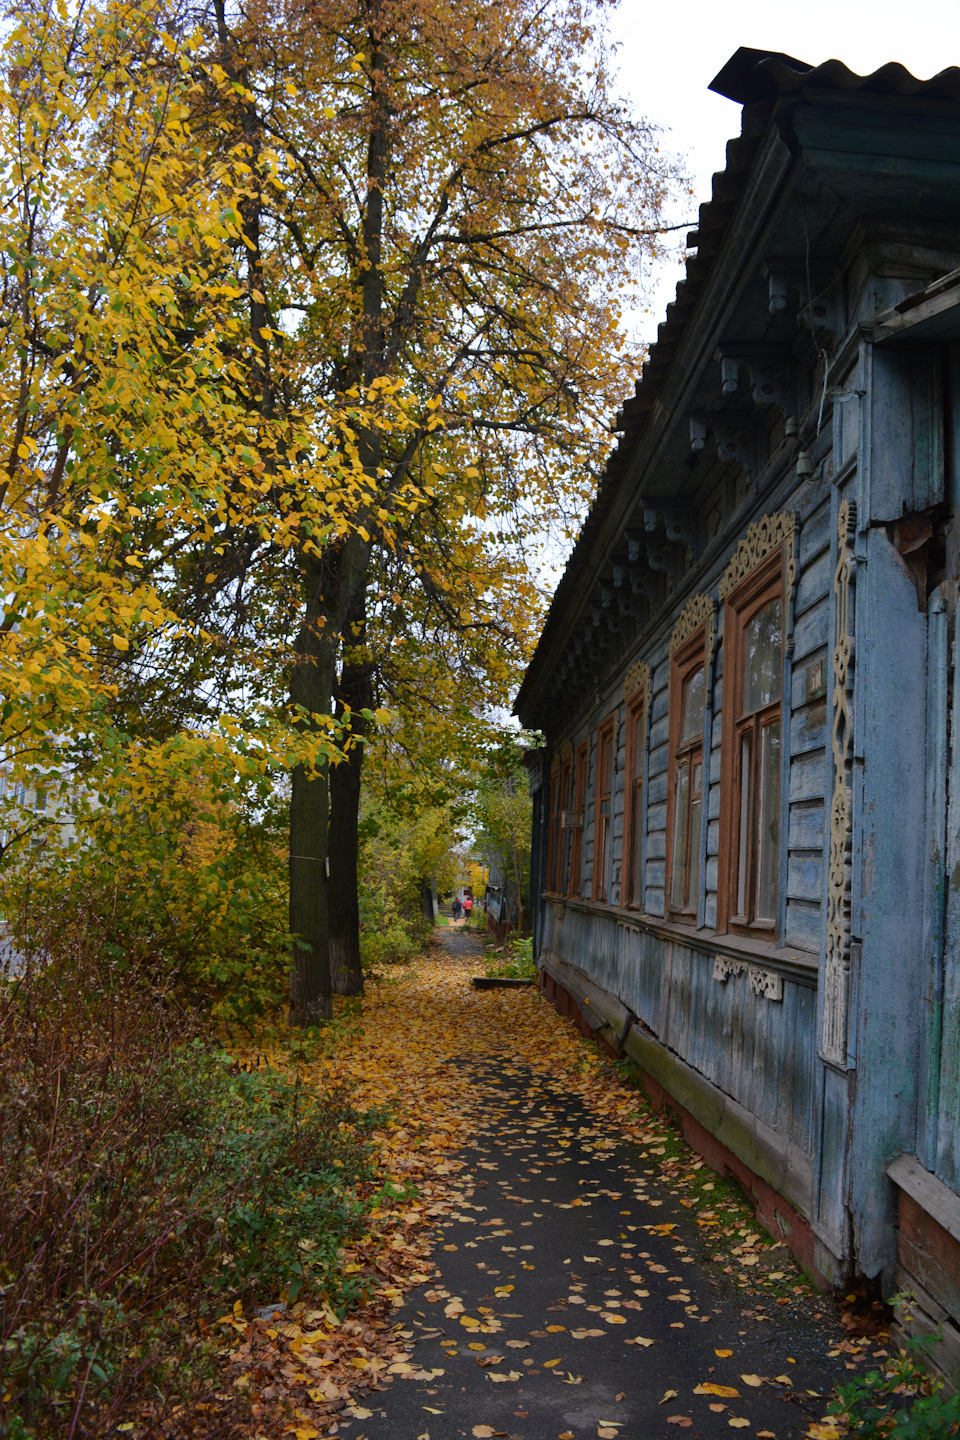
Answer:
x=807 y=776
x=806 y=826
x=805 y=877
x=802 y=678
x=815 y=582
x=815 y=532
x=810 y=631
x=808 y=728
x=804 y=926
x=656 y=818
x=929 y=1193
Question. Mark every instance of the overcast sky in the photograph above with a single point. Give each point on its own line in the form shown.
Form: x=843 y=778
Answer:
x=669 y=53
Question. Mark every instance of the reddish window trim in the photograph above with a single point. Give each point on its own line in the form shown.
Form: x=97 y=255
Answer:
x=574 y=885
x=689 y=657
x=633 y=795
x=603 y=794
x=764 y=583
x=553 y=830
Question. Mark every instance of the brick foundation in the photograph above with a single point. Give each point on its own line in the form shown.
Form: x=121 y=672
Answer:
x=773 y=1212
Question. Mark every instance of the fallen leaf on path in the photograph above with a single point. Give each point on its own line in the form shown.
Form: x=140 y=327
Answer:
x=753 y=1380
x=498 y=1376
x=668 y=1395
x=738 y=1422
x=727 y=1391
x=482 y=1432
x=723 y=1353
x=682 y=1420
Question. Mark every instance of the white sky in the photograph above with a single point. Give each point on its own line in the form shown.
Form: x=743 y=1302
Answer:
x=669 y=53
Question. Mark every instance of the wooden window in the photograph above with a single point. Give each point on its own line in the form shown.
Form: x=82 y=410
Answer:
x=563 y=842
x=750 y=767
x=575 y=878
x=553 y=831
x=685 y=790
x=632 y=879
x=603 y=808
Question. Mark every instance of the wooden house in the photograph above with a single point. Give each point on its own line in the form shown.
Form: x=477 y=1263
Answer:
x=747 y=808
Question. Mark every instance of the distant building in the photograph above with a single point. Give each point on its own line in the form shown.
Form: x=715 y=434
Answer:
x=746 y=865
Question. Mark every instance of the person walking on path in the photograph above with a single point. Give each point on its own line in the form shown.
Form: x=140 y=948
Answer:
x=455 y=908
x=467 y=907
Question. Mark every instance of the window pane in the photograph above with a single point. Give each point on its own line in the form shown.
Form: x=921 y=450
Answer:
x=743 y=855
x=637 y=840
x=692 y=724
x=762 y=665
x=769 y=822
x=678 y=869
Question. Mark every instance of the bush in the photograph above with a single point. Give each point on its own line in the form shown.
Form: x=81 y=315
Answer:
x=176 y=878
x=517 y=962
x=148 y=1185
x=903 y=1403
x=397 y=943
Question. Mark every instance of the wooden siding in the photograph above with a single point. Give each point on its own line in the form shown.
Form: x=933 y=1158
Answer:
x=759 y=1052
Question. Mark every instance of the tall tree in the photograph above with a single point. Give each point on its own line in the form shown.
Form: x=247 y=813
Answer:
x=451 y=198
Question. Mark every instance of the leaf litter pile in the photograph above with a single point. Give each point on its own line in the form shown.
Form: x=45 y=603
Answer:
x=544 y=1256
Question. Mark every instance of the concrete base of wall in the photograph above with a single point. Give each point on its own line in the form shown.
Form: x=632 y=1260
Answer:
x=772 y=1209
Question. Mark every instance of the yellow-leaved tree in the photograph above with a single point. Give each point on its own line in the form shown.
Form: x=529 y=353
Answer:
x=453 y=200
x=140 y=471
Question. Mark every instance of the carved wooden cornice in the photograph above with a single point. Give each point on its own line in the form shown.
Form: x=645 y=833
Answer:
x=636 y=678
x=761 y=539
x=698 y=611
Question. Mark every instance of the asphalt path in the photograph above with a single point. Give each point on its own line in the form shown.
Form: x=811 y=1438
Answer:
x=573 y=1299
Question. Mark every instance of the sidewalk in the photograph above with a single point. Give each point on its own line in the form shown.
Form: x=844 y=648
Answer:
x=584 y=1284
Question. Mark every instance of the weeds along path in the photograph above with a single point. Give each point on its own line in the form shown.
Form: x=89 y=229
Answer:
x=546 y=1258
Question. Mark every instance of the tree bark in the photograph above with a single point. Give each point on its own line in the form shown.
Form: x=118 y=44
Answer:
x=311 y=686
x=356 y=687
x=356 y=693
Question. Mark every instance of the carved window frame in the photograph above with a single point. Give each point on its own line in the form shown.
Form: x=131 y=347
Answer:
x=553 y=828
x=574 y=878
x=689 y=653
x=747 y=589
x=634 y=796
x=563 y=831
x=603 y=794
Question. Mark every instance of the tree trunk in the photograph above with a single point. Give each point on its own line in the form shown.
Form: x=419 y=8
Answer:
x=355 y=692
x=311 y=686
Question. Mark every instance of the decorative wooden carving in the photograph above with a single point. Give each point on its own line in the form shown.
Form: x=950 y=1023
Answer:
x=636 y=678
x=761 y=538
x=697 y=611
x=566 y=751
x=768 y=983
x=833 y=1035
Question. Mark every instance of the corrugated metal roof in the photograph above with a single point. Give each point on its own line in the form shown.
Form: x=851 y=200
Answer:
x=751 y=75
